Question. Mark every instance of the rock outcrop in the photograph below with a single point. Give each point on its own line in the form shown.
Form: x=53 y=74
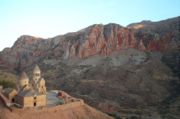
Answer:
x=95 y=40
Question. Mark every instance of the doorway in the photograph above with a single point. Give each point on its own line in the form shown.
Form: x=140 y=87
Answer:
x=34 y=104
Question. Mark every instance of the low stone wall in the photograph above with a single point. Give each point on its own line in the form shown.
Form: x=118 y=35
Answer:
x=64 y=106
x=50 y=109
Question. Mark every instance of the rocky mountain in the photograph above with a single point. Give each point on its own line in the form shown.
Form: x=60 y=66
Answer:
x=96 y=40
x=112 y=67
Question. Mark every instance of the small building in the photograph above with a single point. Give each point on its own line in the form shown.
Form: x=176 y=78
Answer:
x=31 y=99
x=10 y=94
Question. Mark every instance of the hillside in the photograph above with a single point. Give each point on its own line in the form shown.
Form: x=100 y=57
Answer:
x=78 y=112
x=110 y=66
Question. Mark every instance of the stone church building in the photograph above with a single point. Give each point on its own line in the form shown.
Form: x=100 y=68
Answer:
x=30 y=93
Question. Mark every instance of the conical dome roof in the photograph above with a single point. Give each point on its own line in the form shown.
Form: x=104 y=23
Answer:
x=36 y=69
x=24 y=76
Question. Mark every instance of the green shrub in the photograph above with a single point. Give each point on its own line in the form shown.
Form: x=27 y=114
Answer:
x=7 y=84
x=7 y=80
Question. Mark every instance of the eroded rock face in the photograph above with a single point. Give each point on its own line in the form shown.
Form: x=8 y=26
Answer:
x=94 y=40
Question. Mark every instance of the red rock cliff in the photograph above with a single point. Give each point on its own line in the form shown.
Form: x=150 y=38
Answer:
x=95 y=40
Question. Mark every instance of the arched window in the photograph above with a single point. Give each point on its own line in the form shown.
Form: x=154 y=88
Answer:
x=35 y=97
x=34 y=104
x=37 y=74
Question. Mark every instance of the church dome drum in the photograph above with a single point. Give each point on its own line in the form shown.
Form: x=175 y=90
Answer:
x=24 y=80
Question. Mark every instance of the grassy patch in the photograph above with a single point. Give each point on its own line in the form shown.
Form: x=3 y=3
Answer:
x=7 y=84
x=7 y=79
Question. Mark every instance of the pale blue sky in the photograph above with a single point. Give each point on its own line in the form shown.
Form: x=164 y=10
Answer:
x=48 y=18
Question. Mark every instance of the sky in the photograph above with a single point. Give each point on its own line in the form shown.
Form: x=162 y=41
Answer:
x=48 y=18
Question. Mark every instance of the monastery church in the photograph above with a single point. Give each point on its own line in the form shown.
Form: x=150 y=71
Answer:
x=29 y=93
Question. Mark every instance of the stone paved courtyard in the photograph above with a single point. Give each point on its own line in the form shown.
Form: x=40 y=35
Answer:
x=52 y=99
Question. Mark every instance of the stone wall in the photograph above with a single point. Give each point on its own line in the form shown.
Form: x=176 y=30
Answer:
x=50 y=109
x=28 y=101
x=19 y=100
x=40 y=100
